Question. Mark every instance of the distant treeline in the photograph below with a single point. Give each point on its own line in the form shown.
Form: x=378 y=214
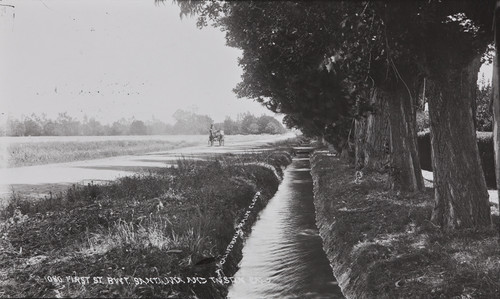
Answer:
x=186 y=123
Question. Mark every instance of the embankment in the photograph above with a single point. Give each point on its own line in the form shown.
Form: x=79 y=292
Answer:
x=381 y=244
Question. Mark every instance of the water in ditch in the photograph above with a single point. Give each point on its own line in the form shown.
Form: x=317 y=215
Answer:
x=283 y=256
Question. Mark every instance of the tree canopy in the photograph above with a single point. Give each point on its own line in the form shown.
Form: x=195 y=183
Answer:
x=325 y=64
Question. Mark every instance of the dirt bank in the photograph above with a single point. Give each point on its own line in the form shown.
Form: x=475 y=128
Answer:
x=381 y=245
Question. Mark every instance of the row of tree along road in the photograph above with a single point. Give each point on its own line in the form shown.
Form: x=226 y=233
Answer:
x=352 y=72
x=186 y=123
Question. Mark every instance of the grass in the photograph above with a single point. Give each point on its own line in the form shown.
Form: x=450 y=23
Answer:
x=382 y=245
x=27 y=151
x=31 y=153
x=155 y=225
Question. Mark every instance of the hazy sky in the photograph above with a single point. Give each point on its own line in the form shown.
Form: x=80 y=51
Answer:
x=114 y=58
x=110 y=59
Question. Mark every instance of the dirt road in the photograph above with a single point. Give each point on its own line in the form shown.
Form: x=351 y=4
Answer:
x=40 y=180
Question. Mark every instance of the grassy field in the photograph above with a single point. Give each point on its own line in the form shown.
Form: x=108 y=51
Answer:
x=141 y=236
x=36 y=153
x=382 y=244
x=27 y=151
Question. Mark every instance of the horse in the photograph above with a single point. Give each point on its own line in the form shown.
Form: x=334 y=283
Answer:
x=220 y=137
x=217 y=135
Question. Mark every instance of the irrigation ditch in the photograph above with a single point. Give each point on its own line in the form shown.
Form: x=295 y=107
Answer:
x=156 y=234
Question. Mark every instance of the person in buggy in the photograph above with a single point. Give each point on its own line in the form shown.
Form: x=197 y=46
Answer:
x=215 y=135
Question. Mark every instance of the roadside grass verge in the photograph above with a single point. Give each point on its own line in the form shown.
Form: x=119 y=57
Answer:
x=143 y=236
x=382 y=245
x=285 y=144
x=31 y=153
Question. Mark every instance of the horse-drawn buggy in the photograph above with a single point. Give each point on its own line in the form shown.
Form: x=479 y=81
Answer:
x=216 y=136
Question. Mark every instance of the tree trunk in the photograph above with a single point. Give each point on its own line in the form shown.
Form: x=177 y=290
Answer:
x=405 y=171
x=377 y=139
x=372 y=136
x=496 y=98
x=344 y=155
x=461 y=196
x=359 y=143
x=386 y=139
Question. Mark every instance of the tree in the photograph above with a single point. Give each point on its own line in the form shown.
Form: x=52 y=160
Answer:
x=91 y=127
x=3 y=129
x=441 y=41
x=262 y=121
x=157 y=127
x=49 y=128
x=32 y=126
x=496 y=96
x=67 y=125
x=15 y=127
x=371 y=66
x=281 y=71
x=269 y=125
x=372 y=138
x=458 y=40
x=253 y=128
x=273 y=128
x=138 y=128
x=191 y=123
x=386 y=135
x=230 y=126
x=309 y=60
x=249 y=124
x=451 y=65
x=119 y=127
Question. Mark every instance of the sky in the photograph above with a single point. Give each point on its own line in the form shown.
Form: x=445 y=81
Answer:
x=112 y=59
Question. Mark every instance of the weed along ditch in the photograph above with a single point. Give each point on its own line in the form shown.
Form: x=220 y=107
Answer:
x=281 y=220
x=283 y=256
x=173 y=232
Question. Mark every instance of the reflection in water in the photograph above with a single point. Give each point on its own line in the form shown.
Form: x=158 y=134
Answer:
x=284 y=251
